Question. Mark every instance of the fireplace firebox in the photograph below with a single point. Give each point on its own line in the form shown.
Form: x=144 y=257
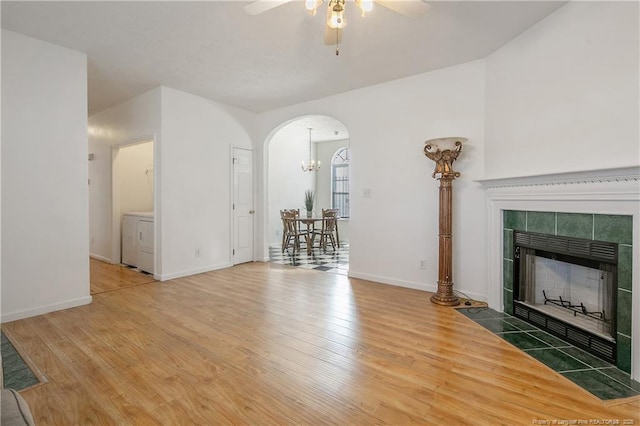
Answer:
x=567 y=286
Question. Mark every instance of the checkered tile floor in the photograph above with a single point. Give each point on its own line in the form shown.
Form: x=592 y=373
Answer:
x=335 y=262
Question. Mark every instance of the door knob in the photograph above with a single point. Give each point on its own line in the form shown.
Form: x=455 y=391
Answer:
x=252 y=211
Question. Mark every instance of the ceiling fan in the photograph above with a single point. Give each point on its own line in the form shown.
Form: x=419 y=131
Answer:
x=336 y=20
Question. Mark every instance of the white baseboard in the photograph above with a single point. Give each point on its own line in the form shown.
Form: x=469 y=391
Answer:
x=186 y=273
x=392 y=281
x=98 y=257
x=409 y=284
x=32 y=312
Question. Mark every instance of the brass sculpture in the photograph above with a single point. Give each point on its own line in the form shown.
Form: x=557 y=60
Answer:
x=444 y=158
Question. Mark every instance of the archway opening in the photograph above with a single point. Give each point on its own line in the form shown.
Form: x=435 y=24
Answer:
x=290 y=145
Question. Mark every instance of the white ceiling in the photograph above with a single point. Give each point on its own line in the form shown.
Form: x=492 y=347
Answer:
x=215 y=50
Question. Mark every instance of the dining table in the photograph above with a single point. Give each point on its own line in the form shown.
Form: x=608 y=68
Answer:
x=310 y=223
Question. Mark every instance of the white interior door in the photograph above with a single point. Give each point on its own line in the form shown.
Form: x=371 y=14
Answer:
x=243 y=211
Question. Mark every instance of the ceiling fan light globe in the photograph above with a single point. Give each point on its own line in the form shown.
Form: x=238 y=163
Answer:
x=337 y=20
x=312 y=6
x=365 y=6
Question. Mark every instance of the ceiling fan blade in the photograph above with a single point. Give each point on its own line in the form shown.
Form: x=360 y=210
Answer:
x=410 y=8
x=260 y=6
x=332 y=36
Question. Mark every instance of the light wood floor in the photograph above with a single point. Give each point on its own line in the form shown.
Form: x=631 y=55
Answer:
x=108 y=277
x=269 y=344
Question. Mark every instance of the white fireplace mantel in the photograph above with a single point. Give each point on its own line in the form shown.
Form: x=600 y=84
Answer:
x=607 y=191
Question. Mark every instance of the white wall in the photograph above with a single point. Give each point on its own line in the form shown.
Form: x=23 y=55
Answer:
x=387 y=126
x=45 y=230
x=134 y=177
x=132 y=121
x=197 y=136
x=563 y=96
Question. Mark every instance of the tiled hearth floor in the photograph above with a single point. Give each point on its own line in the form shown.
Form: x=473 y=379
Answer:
x=596 y=376
x=336 y=262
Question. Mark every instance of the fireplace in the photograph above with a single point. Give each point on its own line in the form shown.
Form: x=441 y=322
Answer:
x=596 y=205
x=567 y=286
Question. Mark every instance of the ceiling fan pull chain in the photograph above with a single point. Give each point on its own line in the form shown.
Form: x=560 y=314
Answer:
x=337 y=42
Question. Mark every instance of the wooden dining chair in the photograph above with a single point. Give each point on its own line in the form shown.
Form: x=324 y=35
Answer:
x=291 y=232
x=329 y=229
x=285 y=227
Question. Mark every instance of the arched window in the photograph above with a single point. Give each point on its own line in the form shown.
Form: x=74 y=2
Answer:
x=340 y=181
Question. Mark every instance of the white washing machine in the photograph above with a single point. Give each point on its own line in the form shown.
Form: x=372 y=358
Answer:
x=137 y=240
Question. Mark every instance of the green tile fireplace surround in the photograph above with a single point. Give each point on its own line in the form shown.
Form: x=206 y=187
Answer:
x=611 y=228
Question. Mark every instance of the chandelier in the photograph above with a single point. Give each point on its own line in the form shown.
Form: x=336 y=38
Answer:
x=310 y=165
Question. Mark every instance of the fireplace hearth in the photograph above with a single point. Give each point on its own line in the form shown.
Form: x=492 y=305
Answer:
x=568 y=287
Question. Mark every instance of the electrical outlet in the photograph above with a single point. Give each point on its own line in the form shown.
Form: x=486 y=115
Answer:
x=422 y=264
x=366 y=193
x=197 y=252
x=91 y=240
x=277 y=232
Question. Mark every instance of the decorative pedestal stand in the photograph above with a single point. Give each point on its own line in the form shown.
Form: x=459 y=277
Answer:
x=444 y=151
